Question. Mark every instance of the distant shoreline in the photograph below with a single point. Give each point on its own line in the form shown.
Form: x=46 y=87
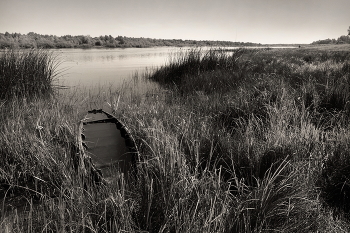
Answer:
x=34 y=40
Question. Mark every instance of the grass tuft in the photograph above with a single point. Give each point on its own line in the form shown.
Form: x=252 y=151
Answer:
x=27 y=73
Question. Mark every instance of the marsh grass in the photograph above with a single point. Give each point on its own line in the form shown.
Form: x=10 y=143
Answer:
x=46 y=184
x=282 y=109
x=27 y=73
x=264 y=151
x=185 y=70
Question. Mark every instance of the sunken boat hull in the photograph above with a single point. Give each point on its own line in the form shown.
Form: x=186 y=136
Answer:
x=108 y=142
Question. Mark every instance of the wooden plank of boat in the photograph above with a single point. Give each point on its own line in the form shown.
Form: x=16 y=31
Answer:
x=108 y=142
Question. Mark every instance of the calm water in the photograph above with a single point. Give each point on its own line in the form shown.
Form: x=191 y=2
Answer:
x=86 y=67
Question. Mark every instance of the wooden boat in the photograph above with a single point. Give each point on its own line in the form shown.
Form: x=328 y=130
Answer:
x=108 y=142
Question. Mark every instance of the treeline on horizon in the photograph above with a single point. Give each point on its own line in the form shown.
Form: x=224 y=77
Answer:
x=35 y=40
x=340 y=40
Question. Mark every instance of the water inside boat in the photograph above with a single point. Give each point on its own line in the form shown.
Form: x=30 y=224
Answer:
x=105 y=144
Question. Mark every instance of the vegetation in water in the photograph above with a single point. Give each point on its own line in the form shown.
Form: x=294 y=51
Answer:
x=246 y=141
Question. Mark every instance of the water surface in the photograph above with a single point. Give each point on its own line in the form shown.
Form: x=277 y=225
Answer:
x=86 y=67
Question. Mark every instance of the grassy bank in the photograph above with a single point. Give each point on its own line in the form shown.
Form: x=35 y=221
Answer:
x=252 y=141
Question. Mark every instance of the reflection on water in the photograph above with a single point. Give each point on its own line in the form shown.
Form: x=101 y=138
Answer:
x=90 y=66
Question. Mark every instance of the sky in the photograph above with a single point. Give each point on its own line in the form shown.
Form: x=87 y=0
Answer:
x=258 y=21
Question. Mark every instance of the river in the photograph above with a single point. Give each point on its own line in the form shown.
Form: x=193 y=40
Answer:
x=86 y=67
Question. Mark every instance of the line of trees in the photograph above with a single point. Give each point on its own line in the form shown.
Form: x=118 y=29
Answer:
x=340 y=40
x=35 y=40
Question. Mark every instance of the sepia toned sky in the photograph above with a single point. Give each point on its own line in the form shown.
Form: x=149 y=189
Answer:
x=259 y=21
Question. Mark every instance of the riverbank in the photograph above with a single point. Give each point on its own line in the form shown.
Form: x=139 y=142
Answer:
x=253 y=141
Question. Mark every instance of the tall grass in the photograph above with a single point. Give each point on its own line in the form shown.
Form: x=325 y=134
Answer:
x=260 y=146
x=186 y=69
x=27 y=73
x=282 y=108
x=46 y=184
